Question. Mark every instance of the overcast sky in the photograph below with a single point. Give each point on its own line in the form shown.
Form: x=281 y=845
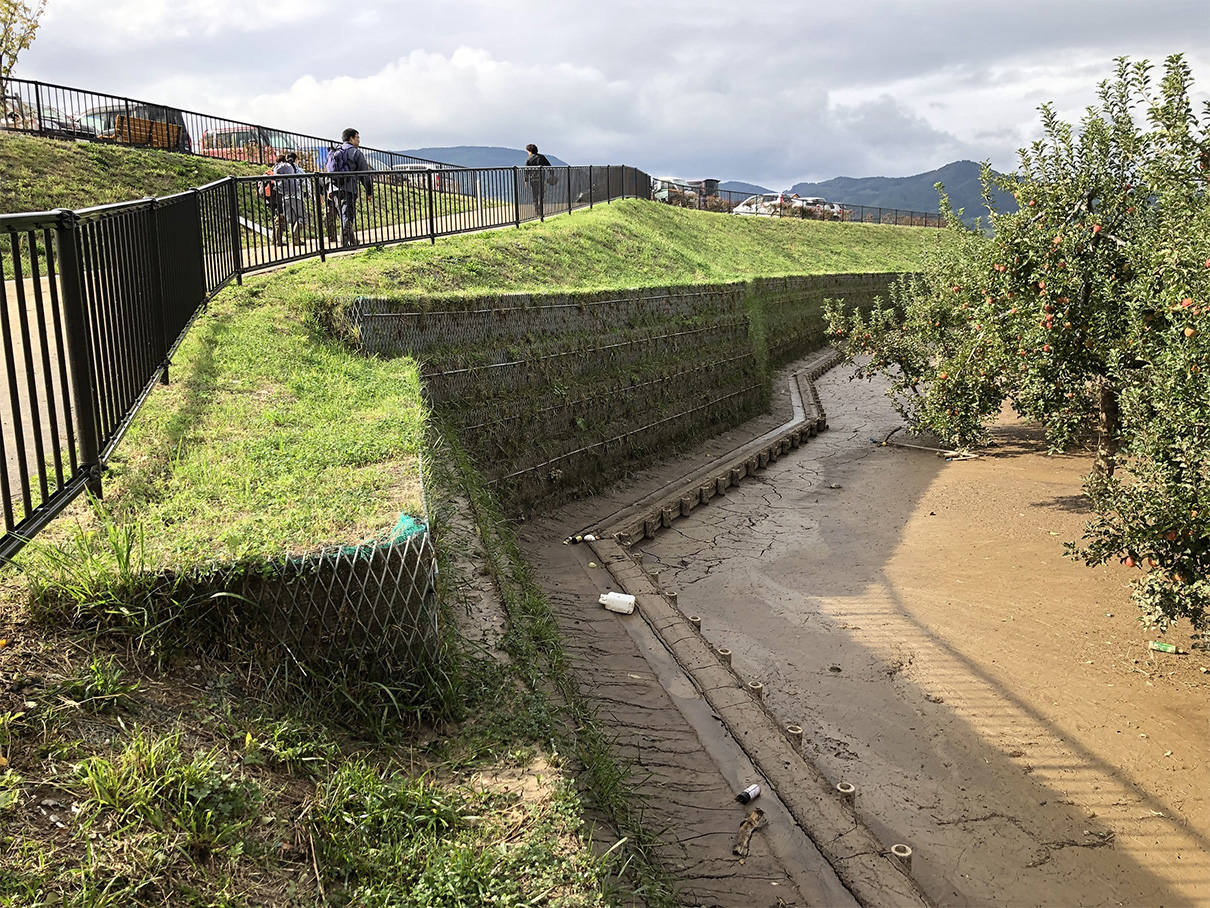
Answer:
x=768 y=91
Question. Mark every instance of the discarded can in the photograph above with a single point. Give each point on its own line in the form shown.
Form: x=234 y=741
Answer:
x=1162 y=647
x=748 y=794
x=622 y=603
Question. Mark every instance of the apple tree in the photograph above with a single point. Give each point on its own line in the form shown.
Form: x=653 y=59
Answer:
x=1086 y=309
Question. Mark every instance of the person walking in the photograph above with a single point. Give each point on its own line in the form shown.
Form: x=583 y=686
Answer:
x=273 y=200
x=343 y=191
x=536 y=176
x=293 y=194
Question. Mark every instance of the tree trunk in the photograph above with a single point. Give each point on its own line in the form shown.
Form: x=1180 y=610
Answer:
x=1107 y=429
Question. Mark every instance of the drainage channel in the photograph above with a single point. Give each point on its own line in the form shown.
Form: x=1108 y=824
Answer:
x=838 y=860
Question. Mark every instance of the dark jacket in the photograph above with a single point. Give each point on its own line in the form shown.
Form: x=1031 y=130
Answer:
x=536 y=160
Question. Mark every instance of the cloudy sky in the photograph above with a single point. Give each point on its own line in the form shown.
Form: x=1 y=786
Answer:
x=769 y=91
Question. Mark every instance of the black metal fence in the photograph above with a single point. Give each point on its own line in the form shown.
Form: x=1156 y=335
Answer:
x=58 y=111
x=93 y=303
x=785 y=205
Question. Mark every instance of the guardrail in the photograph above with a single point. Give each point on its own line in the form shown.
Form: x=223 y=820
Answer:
x=94 y=303
x=62 y=112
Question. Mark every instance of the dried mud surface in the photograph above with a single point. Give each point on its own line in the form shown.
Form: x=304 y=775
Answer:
x=994 y=702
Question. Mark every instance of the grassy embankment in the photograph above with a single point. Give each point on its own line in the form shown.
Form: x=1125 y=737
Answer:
x=159 y=777
x=42 y=174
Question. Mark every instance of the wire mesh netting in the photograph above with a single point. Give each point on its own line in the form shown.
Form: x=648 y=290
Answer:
x=364 y=611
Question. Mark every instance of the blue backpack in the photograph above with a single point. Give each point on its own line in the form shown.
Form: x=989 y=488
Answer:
x=338 y=160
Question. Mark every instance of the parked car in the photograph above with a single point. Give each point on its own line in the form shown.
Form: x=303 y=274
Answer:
x=21 y=116
x=767 y=203
x=171 y=134
x=414 y=175
x=820 y=209
x=251 y=143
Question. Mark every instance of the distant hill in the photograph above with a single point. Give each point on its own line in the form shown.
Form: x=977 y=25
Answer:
x=739 y=186
x=914 y=193
x=478 y=155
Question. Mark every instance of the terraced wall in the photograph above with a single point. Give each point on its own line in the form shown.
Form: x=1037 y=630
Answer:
x=558 y=395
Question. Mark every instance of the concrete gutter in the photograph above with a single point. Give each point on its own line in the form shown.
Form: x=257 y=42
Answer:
x=866 y=866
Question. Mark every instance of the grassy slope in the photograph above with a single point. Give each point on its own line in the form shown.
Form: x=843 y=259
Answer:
x=43 y=174
x=627 y=244
x=270 y=439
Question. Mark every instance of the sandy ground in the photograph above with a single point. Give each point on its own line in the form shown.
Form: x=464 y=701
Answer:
x=994 y=702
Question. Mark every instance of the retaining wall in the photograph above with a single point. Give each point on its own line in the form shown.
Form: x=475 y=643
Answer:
x=557 y=395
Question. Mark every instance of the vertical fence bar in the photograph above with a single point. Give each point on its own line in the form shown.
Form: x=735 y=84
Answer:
x=75 y=323
x=516 y=198
x=432 y=219
x=159 y=328
x=233 y=204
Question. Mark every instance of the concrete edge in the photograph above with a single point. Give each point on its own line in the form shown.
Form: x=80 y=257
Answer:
x=677 y=499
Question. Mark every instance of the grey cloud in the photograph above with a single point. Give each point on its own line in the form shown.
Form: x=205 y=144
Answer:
x=704 y=87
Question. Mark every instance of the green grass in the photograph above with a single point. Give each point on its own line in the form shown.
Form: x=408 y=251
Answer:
x=39 y=174
x=627 y=244
x=192 y=793
x=269 y=440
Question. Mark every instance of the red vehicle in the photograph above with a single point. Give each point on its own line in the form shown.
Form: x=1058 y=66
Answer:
x=246 y=143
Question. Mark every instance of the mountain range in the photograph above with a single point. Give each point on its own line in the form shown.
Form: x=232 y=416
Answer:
x=478 y=156
x=914 y=193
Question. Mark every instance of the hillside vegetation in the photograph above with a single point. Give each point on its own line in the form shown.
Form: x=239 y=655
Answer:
x=915 y=193
x=626 y=244
x=43 y=174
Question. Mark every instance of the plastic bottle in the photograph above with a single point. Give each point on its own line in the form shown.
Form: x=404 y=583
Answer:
x=748 y=794
x=622 y=603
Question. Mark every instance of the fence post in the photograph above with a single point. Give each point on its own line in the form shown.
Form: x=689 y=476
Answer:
x=590 y=187
x=608 y=191
x=321 y=217
x=75 y=320
x=428 y=184
x=159 y=322
x=516 y=197
x=235 y=235
x=569 y=189
x=38 y=104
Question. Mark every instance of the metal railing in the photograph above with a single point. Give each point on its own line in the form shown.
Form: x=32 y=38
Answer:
x=786 y=206
x=62 y=112
x=94 y=303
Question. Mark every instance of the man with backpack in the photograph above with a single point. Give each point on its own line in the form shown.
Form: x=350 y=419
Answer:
x=342 y=192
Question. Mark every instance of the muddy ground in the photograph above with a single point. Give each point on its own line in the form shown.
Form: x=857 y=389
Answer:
x=995 y=702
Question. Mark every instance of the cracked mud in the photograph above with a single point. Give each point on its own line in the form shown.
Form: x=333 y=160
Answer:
x=994 y=703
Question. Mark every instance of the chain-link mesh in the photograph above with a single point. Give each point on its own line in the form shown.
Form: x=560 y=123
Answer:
x=365 y=611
